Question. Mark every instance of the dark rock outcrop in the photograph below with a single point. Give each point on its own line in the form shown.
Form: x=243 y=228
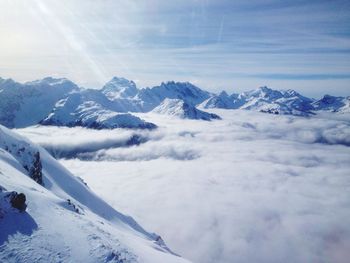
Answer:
x=36 y=170
x=18 y=201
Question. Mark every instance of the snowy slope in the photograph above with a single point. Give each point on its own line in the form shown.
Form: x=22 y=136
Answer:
x=64 y=221
x=181 y=109
x=90 y=108
x=26 y=104
x=346 y=107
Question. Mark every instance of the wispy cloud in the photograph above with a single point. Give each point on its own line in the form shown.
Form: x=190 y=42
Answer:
x=202 y=41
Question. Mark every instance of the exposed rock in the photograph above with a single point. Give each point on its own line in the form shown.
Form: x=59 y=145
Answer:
x=18 y=201
x=36 y=170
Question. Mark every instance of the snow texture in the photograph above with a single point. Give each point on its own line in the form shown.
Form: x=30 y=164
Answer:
x=64 y=221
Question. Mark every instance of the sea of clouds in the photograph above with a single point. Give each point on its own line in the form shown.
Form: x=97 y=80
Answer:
x=252 y=187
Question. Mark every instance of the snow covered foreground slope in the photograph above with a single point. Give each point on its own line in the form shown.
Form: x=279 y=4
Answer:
x=64 y=220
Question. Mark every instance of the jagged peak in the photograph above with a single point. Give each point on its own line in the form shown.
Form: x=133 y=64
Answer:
x=291 y=92
x=329 y=99
x=180 y=108
x=173 y=85
x=119 y=88
x=116 y=78
x=121 y=80
x=176 y=83
x=223 y=94
x=118 y=84
x=327 y=96
x=265 y=89
x=262 y=91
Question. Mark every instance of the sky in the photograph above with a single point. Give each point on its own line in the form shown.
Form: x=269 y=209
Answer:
x=215 y=44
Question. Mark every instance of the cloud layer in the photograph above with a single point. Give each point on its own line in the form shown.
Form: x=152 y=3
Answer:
x=252 y=187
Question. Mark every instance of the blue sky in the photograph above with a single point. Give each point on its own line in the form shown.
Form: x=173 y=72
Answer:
x=231 y=45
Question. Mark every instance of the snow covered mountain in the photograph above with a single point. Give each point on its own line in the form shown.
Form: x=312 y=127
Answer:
x=223 y=101
x=109 y=107
x=90 y=108
x=278 y=102
x=61 y=102
x=49 y=215
x=118 y=88
x=264 y=99
x=332 y=104
x=26 y=104
x=181 y=109
x=152 y=97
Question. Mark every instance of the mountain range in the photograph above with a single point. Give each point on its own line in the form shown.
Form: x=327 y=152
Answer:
x=59 y=101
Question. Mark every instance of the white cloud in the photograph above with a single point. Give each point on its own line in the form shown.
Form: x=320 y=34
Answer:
x=261 y=188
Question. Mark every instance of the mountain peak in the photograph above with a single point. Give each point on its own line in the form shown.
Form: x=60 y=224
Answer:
x=223 y=94
x=172 y=83
x=181 y=109
x=328 y=97
x=121 y=81
x=291 y=92
x=263 y=92
x=185 y=91
x=119 y=88
x=265 y=89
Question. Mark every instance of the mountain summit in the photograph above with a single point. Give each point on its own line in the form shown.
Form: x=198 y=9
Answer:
x=181 y=109
x=119 y=88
